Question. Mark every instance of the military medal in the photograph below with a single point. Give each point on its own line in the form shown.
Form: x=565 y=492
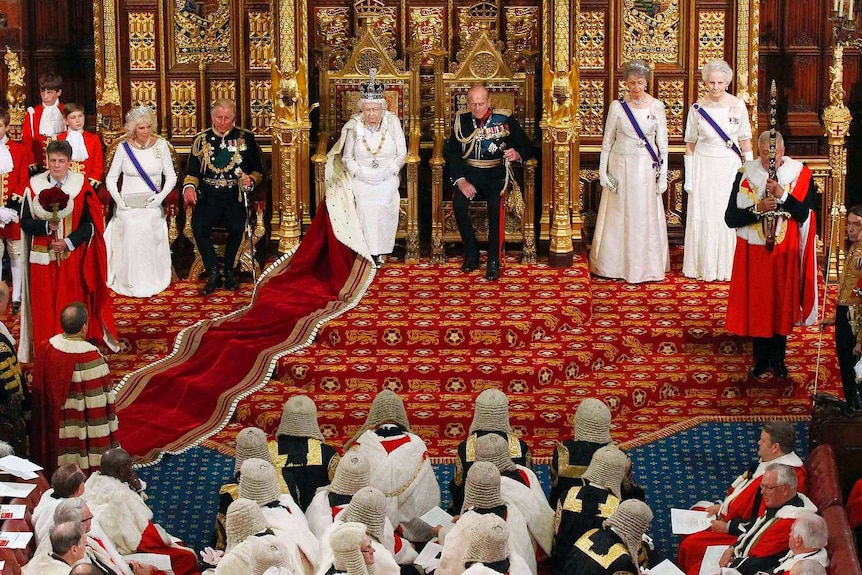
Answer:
x=492 y=148
x=374 y=164
x=222 y=145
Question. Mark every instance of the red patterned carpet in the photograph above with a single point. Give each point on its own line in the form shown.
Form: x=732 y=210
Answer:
x=656 y=353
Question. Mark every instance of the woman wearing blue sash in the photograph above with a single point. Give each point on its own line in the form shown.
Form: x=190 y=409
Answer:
x=717 y=134
x=630 y=241
x=139 y=256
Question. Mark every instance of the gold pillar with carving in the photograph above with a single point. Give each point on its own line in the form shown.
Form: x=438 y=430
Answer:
x=16 y=95
x=560 y=133
x=291 y=131
x=836 y=120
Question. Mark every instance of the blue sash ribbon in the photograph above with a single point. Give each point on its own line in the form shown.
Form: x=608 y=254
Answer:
x=138 y=167
x=656 y=159
x=721 y=133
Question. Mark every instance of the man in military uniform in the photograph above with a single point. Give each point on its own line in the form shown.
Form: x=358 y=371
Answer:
x=482 y=141
x=224 y=164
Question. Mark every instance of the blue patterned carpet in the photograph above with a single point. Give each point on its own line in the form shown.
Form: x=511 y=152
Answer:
x=694 y=464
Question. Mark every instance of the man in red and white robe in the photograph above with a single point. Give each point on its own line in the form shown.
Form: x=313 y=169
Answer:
x=14 y=176
x=124 y=517
x=773 y=284
x=74 y=420
x=88 y=152
x=68 y=260
x=763 y=543
x=743 y=501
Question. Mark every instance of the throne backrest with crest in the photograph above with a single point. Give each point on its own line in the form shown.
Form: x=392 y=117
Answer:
x=481 y=61
x=340 y=94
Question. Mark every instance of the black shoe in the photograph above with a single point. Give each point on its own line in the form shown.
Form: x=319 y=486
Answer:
x=779 y=369
x=470 y=264
x=213 y=282
x=16 y=307
x=758 y=369
x=230 y=281
x=493 y=272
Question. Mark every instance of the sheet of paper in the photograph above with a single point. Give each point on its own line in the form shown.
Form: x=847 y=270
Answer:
x=19 y=467
x=2 y=565
x=12 y=490
x=710 y=559
x=160 y=562
x=666 y=567
x=12 y=511
x=686 y=521
x=14 y=539
x=436 y=516
x=429 y=559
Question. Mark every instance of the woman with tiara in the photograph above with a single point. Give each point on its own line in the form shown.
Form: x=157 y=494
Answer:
x=630 y=241
x=363 y=175
x=139 y=256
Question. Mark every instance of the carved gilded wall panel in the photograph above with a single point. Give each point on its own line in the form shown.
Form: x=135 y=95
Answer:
x=522 y=33
x=260 y=104
x=142 y=41
x=184 y=110
x=259 y=40
x=201 y=35
x=591 y=110
x=222 y=89
x=711 y=36
x=591 y=39
x=333 y=29
x=672 y=93
x=144 y=93
x=386 y=27
x=651 y=31
x=427 y=30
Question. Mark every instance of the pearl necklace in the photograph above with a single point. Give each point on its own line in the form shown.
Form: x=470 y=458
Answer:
x=639 y=101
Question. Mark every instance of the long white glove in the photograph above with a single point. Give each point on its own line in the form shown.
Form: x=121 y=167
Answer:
x=662 y=179
x=689 y=175
x=604 y=178
x=749 y=155
x=157 y=199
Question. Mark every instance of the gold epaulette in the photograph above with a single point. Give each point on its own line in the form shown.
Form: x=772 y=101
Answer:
x=461 y=112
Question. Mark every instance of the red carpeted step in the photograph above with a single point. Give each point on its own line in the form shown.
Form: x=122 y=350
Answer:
x=440 y=307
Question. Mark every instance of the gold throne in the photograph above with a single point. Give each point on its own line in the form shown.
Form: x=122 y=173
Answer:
x=481 y=61
x=339 y=95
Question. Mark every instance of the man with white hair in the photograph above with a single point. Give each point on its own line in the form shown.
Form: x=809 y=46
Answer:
x=490 y=415
x=808 y=567
x=352 y=474
x=762 y=543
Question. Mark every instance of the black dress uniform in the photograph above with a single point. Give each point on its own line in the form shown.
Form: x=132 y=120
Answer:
x=599 y=552
x=474 y=152
x=518 y=451
x=214 y=167
x=569 y=461
x=306 y=463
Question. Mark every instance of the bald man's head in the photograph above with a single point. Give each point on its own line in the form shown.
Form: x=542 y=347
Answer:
x=115 y=462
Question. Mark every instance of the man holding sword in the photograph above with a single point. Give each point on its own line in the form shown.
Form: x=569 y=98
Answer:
x=224 y=165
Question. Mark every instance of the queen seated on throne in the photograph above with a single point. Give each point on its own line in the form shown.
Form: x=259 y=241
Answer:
x=363 y=175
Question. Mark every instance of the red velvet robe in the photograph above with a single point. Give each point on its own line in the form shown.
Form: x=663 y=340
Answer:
x=93 y=167
x=12 y=186
x=32 y=139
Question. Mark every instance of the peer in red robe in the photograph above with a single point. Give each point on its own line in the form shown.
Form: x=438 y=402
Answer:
x=66 y=264
x=43 y=121
x=88 y=153
x=773 y=284
x=74 y=420
x=14 y=175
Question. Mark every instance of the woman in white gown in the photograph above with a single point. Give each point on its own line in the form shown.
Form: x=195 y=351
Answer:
x=139 y=256
x=630 y=241
x=363 y=175
x=710 y=169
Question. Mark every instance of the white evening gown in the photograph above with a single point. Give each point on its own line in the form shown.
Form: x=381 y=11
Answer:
x=630 y=241
x=377 y=200
x=139 y=256
x=709 y=243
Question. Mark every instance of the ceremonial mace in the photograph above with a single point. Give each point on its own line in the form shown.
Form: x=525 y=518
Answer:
x=244 y=191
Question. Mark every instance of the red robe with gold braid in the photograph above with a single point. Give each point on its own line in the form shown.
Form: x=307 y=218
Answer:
x=81 y=274
x=32 y=139
x=12 y=186
x=743 y=502
x=74 y=420
x=756 y=306
x=93 y=167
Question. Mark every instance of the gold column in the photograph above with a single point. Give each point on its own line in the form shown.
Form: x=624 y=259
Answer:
x=439 y=128
x=291 y=131
x=836 y=120
x=560 y=128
